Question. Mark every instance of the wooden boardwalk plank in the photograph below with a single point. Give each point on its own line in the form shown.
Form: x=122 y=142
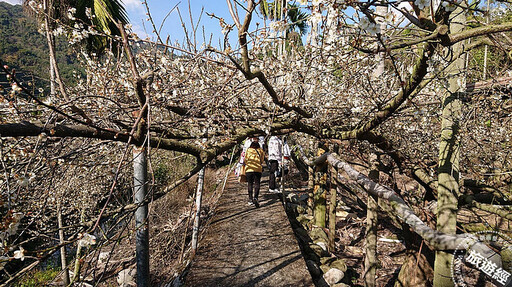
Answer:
x=248 y=246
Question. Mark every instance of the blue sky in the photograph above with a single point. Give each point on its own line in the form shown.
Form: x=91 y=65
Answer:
x=172 y=25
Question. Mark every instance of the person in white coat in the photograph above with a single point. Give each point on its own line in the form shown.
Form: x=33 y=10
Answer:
x=277 y=152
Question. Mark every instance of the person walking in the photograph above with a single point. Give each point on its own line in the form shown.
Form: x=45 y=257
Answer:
x=254 y=158
x=275 y=160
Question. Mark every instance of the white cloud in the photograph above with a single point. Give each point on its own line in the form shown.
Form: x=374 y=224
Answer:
x=12 y=2
x=139 y=30
x=133 y=5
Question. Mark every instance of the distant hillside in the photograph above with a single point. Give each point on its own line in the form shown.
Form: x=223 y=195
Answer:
x=24 y=48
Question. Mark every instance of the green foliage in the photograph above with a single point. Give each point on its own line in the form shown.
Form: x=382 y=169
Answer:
x=497 y=58
x=294 y=15
x=106 y=14
x=38 y=277
x=23 y=48
x=162 y=173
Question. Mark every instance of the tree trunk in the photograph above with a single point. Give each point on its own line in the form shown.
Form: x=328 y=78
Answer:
x=319 y=197
x=449 y=157
x=140 y=176
x=370 y=258
x=76 y=270
x=195 y=229
x=332 y=210
x=311 y=188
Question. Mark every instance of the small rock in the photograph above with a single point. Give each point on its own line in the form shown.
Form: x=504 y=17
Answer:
x=322 y=244
x=318 y=250
x=327 y=260
x=333 y=276
x=318 y=233
x=341 y=214
x=292 y=197
x=313 y=268
x=414 y=272
x=506 y=257
x=324 y=268
x=126 y=277
x=339 y=264
x=301 y=209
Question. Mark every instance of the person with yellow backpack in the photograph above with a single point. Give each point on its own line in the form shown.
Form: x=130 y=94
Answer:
x=254 y=158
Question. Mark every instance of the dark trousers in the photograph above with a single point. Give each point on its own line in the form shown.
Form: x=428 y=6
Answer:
x=253 y=180
x=274 y=165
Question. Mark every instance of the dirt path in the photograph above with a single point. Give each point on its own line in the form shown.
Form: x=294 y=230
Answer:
x=248 y=246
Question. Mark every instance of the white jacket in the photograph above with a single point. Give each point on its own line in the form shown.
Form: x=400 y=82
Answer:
x=276 y=149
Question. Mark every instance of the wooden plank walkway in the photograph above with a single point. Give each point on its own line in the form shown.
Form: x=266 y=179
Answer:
x=248 y=246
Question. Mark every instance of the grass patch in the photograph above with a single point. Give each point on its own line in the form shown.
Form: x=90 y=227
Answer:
x=38 y=277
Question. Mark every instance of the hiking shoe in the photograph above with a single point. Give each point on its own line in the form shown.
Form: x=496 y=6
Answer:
x=250 y=203
x=256 y=203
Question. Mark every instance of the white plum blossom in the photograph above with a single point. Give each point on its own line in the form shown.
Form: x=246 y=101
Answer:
x=19 y=254
x=373 y=29
x=368 y=26
x=448 y=6
x=277 y=26
x=88 y=12
x=87 y=240
x=422 y=3
x=389 y=17
x=58 y=31
x=23 y=181
x=315 y=18
x=71 y=14
x=15 y=88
